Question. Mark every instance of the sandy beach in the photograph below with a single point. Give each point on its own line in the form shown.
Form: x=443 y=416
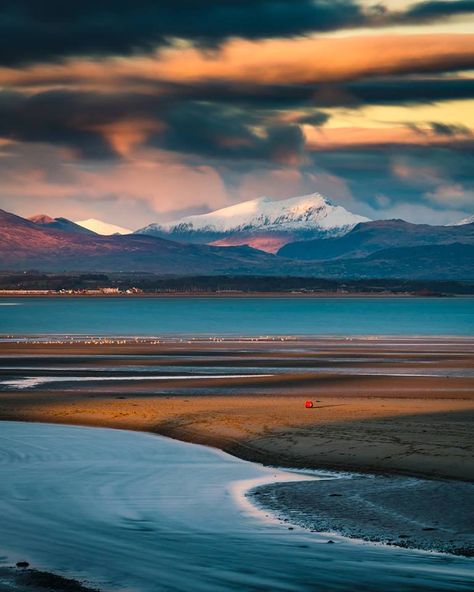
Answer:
x=387 y=406
x=383 y=405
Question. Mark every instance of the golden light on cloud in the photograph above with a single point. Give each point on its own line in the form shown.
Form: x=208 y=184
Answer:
x=340 y=137
x=186 y=128
x=125 y=135
x=301 y=60
x=386 y=116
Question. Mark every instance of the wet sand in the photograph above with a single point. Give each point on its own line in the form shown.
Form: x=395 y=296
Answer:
x=387 y=405
x=382 y=406
x=401 y=511
x=13 y=579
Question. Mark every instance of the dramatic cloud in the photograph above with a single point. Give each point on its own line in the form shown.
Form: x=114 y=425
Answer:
x=35 y=179
x=104 y=126
x=445 y=129
x=410 y=183
x=434 y=10
x=397 y=91
x=224 y=132
x=32 y=31
x=294 y=61
x=157 y=108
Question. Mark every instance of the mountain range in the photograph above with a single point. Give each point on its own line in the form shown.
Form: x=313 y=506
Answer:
x=371 y=237
x=340 y=244
x=26 y=245
x=58 y=224
x=264 y=223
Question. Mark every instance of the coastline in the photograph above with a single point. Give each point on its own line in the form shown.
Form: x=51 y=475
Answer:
x=231 y=294
x=392 y=510
x=414 y=423
x=379 y=407
x=145 y=509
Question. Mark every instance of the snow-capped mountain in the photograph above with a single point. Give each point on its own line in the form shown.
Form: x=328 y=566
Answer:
x=468 y=220
x=263 y=223
x=100 y=227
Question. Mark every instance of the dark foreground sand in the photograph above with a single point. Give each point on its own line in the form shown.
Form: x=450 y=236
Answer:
x=14 y=579
x=384 y=406
x=401 y=511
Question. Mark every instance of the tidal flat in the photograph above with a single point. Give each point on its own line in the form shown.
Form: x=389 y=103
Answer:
x=392 y=421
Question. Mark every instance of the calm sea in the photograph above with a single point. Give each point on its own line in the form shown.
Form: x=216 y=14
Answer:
x=237 y=316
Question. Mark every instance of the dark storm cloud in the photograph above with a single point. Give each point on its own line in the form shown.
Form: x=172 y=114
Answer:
x=316 y=118
x=220 y=121
x=79 y=121
x=40 y=31
x=226 y=132
x=445 y=129
x=72 y=119
x=36 y=31
x=393 y=91
x=420 y=12
x=432 y=11
x=401 y=91
x=442 y=129
x=55 y=118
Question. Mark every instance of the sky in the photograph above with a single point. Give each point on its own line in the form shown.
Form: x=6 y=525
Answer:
x=146 y=110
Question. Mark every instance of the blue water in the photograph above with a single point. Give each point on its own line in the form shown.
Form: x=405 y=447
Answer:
x=129 y=511
x=237 y=316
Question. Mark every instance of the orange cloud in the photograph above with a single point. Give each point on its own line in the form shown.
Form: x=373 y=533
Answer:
x=320 y=60
x=261 y=62
x=125 y=135
x=340 y=137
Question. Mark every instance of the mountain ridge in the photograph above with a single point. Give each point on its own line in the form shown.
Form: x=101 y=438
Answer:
x=25 y=245
x=59 y=223
x=263 y=223
x=369 y=237
x=387 y=251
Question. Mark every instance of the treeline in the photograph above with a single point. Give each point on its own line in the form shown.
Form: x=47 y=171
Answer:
x=150 y=283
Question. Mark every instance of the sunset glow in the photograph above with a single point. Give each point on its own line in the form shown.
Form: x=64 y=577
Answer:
x=171 y=111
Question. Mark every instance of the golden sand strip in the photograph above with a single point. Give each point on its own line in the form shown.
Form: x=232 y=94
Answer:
x=417 y=423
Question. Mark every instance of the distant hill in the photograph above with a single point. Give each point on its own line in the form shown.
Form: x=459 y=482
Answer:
x=370 y=237
x=27 y=245
x=453 y=261
x=58 y=224
x=263 y=223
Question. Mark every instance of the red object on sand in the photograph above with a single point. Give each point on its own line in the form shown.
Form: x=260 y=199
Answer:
x=308 y=404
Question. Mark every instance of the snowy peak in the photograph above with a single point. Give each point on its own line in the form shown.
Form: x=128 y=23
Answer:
x=263 y=223
x=100 y=227
x=468 y=220
x=308 y=212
